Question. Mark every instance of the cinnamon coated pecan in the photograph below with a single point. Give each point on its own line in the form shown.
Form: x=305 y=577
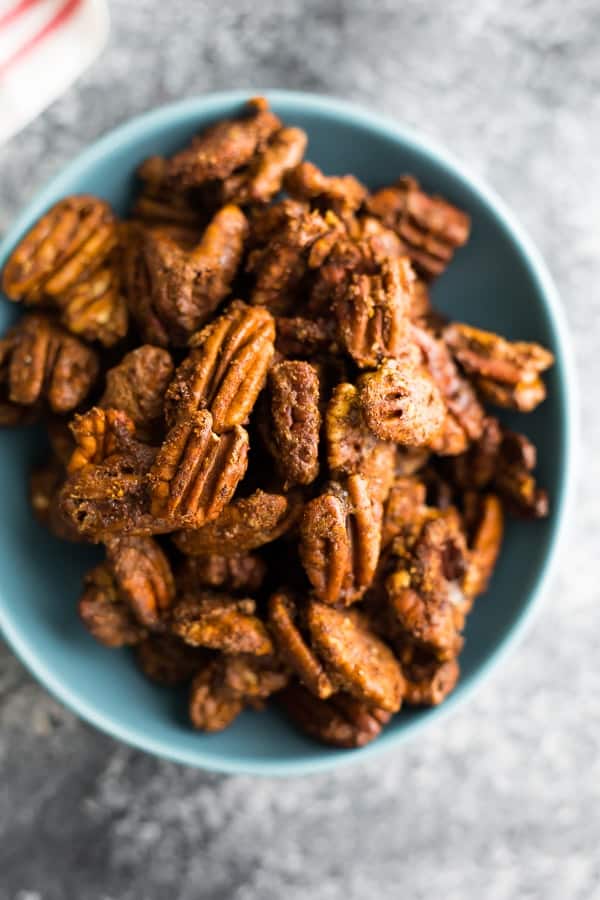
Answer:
x=264 y=176
x=506 y=373
x=143 y=577
x=244 y=525
x=428 y=679
x=430 y=228
x=45 y=483
x=137 y=386
x=95 y=306
x=73 y=236
x=293 y=643
x=196 y=471
x=220 y=622
x=98 y=434
x=342 y=194
x=342 y=721
x=486 y=520
x=226 y=368
x=168 y=660
x=233 y=574
x=295 y=420
x=104 y=612
x=340 y=536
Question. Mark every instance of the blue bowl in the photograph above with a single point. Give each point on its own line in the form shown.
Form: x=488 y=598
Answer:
x=498 y=281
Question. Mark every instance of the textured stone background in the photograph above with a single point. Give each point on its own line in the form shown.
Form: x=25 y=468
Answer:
x=503 y=800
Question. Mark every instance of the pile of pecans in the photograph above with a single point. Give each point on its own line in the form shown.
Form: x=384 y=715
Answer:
x=281 y=445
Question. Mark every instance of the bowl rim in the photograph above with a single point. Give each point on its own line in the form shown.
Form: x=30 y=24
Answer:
x=353 y=114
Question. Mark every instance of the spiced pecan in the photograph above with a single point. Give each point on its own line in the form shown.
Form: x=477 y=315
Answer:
x=487 y=527
x=300 y=337
x=95 y=306
x=430 y=228
x=425 y=598
x=196 y=471
x=293 y=644
x=98 y=434
x=73 y=235
x=45 y=483
x=264 y=176
x=137 y=386
x=372 y=312
x=506 y=373
x=405 y=510
x=295 y=420
x=341 y=721
x=514 y=479
x=343 y=194
x=244 y=525
x=226 y=367
x=340 y=536
x=223 y=147
x=401 y=402
x=104 y=612
x=159 y=205
x=143 y=577
x=352 y=448
x=232 y=574
x=167 y=660
x=220 y=622
x=220 y=692
x=428 y=679
x=40 y=361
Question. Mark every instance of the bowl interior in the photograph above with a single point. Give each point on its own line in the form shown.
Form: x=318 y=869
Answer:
x=494 y=282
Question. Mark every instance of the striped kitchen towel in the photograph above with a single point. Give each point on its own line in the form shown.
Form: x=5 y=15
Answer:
x=44 y=47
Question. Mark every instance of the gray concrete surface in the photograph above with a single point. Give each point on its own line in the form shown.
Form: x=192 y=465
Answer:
x=502 y=801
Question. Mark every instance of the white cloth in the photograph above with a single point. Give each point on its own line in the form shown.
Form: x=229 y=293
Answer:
x=44 y=46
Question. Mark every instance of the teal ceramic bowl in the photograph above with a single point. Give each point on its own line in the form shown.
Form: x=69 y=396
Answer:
x=499 y=282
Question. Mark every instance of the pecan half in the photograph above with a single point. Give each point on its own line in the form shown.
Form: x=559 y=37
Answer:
x=300 y=337
x=232 y=574
x=352 y=448
x=74 y=234
x=196 y=472
x=45 y=483
x=98 y=434
x=41 y=361
x=430 y=228
x=167 y=660
x=95 y=306
x=405 y=510
x=295 y=420
x=343 y=194
x=293 y=644
x=244 y=525
x=357 y=660
x=506 y=373
x=220 y=622
x=372 y=312
x=226 y=368
x=137 y=386
x=340 y=536
x=428 y=680
x=264 y=176
x=143 y=577
x=104 y=613
x=487 y=528
x=401 y=402
x=342 y=721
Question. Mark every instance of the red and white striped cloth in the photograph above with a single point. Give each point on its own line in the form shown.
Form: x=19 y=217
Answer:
x=44 y=46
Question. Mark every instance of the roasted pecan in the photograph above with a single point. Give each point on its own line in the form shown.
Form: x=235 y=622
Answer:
x=281 y=265
x=430 y=228
x=104 y=613
x=223 y=147
x=143 y=577
x=352 y=449
x=95 y=306
x=476 y=467
x=98 y=434
x=137 y=386
x=340 y=536
x=74 y=235
x=244 y=525
x=196 y=472
x=293 y=644
x=401 y=402
x=220 y=622
x=267 y=221
x=354 y=657
x=513 y=478
x=232 y=574
x=428 y=680
x=264 y=176
x=159 y=205
x=137 y=282
x=167 y=660
x=485 y=540
x=300 y=337
x=221 y=691
x=465 y=415
x=342 y=721
x=41 y=361
x=372 y=312
x=405 y=510
x=45 y=483
x=425 y=599
x=226 y=368
x=343 y=194
x=506 y=373
x=295 y=420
